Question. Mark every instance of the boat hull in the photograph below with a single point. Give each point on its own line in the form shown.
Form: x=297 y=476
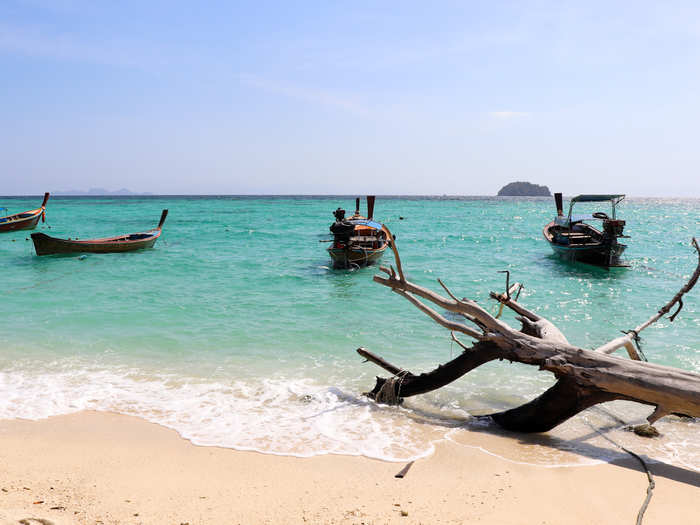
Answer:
x=23 y=223
x=346 y=257
x=605 y=254
x=45 y=245
x=608 y=256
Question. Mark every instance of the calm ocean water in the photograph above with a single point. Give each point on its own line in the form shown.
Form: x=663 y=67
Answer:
x=234 y=331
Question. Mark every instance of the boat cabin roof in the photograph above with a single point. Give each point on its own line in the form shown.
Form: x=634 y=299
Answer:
x=597 y=198
x=572 y=219
x=365 y=222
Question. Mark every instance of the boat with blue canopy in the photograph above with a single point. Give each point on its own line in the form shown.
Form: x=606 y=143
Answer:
x=574 y=238
x=357 y=240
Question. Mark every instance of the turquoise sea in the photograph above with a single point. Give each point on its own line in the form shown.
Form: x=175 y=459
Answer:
x=235 y=331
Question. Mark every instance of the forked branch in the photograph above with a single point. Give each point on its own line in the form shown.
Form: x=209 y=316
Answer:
x=584 y=377
x=630 y=338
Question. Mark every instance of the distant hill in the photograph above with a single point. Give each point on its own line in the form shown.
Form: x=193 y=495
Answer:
x=98 y=191
x=524 y=189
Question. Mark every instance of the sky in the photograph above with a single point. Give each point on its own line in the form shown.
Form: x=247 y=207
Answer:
x=336 y=97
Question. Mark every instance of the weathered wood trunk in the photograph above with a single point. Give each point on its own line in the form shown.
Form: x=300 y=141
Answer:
x=584 y=377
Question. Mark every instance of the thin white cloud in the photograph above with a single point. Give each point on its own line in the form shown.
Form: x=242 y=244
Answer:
x=36 y=41
x=307 y=94
x=504 y=115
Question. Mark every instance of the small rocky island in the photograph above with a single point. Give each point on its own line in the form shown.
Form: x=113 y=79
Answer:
x=524 y=189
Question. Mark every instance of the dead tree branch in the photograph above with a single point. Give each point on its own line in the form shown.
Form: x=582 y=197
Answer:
x=584 y=377
x=629 y=338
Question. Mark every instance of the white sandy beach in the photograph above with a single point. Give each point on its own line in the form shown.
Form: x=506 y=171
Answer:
x=105 y=468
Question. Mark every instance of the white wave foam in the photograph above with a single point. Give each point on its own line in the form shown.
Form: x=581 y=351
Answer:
x=278 y=416
x=302 y=418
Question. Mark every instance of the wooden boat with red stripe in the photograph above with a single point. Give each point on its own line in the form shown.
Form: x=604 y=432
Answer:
x=45 y=245
x=26 y=220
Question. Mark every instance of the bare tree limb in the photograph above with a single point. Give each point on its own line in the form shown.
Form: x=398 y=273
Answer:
x=584 y=377
x=457 y=327
x=411 y=384
x=629 y=338
x=369 y=356
x=392 y=243
x=515 y=306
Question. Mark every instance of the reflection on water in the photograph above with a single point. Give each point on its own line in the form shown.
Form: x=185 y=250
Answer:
x=564 y=268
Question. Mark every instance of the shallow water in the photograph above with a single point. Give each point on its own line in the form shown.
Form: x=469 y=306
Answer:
x=234 y=330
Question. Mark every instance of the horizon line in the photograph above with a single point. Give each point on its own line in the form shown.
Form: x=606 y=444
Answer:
x=324 y=195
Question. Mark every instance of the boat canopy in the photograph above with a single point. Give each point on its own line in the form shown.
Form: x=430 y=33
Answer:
x=597 y=198
x=367 y=222
x=613 y=199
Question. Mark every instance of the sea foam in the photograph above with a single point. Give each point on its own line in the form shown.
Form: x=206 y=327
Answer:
x=300 y=417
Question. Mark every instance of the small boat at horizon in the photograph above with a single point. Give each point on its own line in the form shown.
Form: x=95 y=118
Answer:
x=45 y=245
x=26 y=220
x=573 y=239
x=357 y=240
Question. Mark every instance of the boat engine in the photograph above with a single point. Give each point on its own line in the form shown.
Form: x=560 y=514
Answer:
x=341 y=229
x=339 y=214
x=613 y=227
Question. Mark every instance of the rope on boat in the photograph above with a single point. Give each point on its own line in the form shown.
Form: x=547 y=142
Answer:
x=349 y=265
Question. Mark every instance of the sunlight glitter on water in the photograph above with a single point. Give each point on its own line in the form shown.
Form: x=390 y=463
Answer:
x=235 y=332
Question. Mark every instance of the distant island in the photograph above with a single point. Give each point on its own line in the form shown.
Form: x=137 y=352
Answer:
x=98 y=191
x=524 y=189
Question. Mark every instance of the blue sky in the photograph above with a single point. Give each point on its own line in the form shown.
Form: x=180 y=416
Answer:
x=349 y=97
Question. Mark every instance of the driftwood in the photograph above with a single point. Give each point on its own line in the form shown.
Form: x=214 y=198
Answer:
x=584 y=377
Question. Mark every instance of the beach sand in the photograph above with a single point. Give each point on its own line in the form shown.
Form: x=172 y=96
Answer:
x=106 y=468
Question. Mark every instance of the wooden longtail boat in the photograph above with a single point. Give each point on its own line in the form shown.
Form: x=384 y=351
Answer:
x=26 y=220
x=573 y=239
x=46 y=245
x=357 y=240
